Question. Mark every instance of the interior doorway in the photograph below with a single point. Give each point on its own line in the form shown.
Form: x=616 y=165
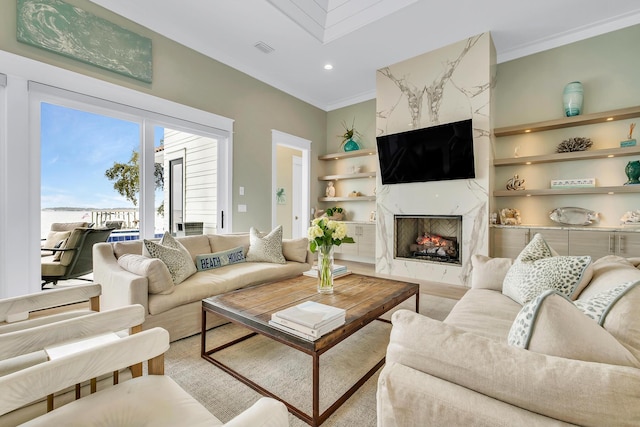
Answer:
x=290 y=202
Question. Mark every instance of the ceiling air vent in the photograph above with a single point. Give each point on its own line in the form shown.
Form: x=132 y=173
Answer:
x=263 y=47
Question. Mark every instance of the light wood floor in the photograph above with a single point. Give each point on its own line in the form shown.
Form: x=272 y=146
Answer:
x=442 y=290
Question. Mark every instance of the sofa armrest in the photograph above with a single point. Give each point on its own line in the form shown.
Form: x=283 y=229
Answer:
x=119 y=286
x=266 y=412
x=547 y=385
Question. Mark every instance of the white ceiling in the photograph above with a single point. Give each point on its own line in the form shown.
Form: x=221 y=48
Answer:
x=360 y=36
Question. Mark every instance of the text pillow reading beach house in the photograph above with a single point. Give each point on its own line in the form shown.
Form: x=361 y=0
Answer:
x=220 y=259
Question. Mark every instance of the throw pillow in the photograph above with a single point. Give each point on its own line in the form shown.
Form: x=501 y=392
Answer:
x=157 y=274
x=489 y=273
x=563 y=273
x=220 y=259
x=295 y=249
x=620 y=316
x=177 y=259
x=535 y=250
x=54 y=238
x=551 y=324
x=60 y=245
x=266 y=248
x=536 y=270
x=597 y=307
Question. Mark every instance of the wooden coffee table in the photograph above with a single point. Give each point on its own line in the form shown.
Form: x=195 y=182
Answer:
x=364 y=298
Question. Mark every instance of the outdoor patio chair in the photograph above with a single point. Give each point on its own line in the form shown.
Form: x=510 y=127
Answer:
x=74 y=257
x=58 y=232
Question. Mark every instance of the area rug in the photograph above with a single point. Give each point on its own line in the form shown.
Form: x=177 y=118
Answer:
x=287 y=372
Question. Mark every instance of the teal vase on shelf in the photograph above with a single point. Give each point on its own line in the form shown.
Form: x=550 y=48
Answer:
x=351 y=145
x=572 y=99
x=633 y=172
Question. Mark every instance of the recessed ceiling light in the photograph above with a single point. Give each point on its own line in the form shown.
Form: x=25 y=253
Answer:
x=328 y=67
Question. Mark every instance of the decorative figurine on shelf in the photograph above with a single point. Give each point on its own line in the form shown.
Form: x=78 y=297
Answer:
x=509 y=216
x=631 y=218
x=633 y=172
x=331 y=190
x=574 y=144
x=629 y=142
x=493 y=219
x=515 y=183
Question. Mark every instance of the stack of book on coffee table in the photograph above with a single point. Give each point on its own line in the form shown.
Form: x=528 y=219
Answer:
x=309 y=320
x=338 y=271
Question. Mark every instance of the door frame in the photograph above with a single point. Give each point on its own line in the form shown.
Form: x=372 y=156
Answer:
x=279 y=138
x=296 y=195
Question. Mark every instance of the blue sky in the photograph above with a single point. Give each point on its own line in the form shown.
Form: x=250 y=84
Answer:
x=77 y=148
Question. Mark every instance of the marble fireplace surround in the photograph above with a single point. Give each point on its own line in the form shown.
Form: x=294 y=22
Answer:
x=450 y=84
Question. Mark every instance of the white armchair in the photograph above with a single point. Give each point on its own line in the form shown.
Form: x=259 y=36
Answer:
x=152 y=399
x=27 y=311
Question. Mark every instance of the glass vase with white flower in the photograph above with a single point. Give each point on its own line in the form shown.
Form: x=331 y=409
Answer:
x=324 y=234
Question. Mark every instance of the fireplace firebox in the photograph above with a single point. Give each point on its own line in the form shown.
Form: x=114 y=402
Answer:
x=428 y=238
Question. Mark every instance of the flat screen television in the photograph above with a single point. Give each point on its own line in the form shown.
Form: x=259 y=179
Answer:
x=437 y=153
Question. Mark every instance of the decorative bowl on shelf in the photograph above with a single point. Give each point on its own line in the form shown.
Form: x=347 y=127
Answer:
x=573 y=216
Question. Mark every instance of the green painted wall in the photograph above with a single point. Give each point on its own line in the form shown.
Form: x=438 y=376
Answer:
x=187 y=77
x=529 y=90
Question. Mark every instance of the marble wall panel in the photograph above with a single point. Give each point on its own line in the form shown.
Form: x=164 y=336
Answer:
x=450 y=84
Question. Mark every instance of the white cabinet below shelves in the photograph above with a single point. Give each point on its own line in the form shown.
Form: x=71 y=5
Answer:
x=603 y=243
x=364 y=248
x=508 y=242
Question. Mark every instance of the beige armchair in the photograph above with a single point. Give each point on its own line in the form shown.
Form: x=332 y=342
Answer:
x=26 y=348
x=152 y=399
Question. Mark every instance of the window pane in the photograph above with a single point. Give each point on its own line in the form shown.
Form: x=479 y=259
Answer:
x=78 y=150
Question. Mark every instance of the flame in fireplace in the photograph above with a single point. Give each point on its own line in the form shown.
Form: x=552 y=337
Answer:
x=434 y=239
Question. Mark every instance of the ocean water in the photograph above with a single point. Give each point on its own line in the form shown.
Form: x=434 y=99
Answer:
x=48 y=217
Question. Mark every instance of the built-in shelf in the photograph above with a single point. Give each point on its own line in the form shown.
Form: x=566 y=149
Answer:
x=347 y=176
x=564 y=157
x=347 y=154
x=568 y=191
x=585 y=119
x=347 y=199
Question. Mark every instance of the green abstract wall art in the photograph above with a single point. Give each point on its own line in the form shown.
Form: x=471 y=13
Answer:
x=62 y=28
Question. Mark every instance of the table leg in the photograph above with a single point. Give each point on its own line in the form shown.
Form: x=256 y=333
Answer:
x=418 y=302
x=316 y=389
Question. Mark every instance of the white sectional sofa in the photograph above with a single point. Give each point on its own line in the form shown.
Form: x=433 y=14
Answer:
x=474 y=369
x=179 y=309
